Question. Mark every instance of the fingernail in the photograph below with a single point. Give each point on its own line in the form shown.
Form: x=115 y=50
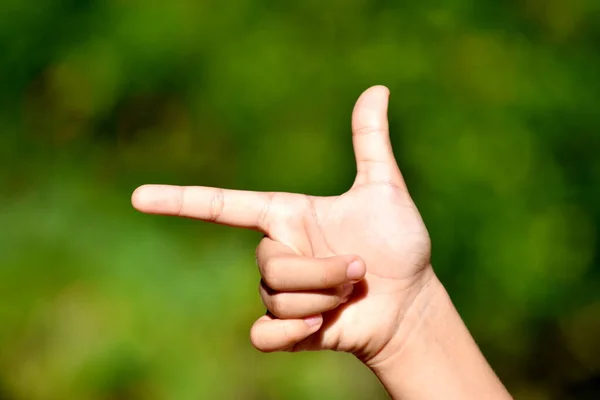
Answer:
x=355 y=270
x=313 y=321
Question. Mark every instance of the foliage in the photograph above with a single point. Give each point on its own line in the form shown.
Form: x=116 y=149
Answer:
x=495 y=120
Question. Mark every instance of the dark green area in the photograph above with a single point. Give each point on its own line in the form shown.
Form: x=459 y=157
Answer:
x=495 y=117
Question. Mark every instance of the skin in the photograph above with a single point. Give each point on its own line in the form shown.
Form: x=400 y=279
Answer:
x=350 y=273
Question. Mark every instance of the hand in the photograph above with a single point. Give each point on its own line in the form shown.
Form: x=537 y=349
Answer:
x=310 y=243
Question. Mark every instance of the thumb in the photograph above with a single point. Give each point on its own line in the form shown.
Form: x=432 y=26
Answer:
x=370 y=135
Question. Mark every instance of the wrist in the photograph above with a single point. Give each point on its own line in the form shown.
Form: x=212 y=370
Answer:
x=432 y=355
x=427 y=300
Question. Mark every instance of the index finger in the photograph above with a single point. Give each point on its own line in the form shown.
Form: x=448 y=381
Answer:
x=238 y=208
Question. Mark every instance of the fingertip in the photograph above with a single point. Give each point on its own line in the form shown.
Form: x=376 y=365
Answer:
x=377 y=91
x=356 y=270
x=259 y=336
x=138 y=197
x=314 y=322
x=381 y=88
x=269 y=334
x=146 y=197
x=371 y=108
x=157 y=199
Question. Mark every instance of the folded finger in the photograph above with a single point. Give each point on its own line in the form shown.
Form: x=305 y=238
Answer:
x=269 y=334
x=303 y=304
x=283 y=270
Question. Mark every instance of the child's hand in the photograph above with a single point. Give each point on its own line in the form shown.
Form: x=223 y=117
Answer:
x=314 y=246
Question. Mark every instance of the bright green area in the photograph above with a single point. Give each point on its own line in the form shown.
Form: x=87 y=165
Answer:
x=495 y=117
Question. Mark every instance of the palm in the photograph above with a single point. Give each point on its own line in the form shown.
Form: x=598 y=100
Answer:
x=376 y=219
x=380 y=223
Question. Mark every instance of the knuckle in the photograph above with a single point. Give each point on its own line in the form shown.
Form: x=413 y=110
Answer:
x=262 y=291
x=335 y=301
x=265 y=293
x=263 y=220
x=277 y=305
x=325 y=277
x=181 y=201
x=217 y=205
x=329 y=273
x=270 y=272
x=257 y=256
x=369 y=130
x=284 y=331
x=260 y=253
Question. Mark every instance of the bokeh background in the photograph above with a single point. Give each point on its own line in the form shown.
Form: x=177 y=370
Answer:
x=495 y=117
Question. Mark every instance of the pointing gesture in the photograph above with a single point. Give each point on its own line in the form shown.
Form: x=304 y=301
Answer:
x=338 y=273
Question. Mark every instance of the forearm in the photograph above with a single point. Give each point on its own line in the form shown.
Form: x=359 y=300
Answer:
x=435 y=357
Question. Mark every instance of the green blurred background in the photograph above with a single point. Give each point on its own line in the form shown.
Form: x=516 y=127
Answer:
x=495 y=117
